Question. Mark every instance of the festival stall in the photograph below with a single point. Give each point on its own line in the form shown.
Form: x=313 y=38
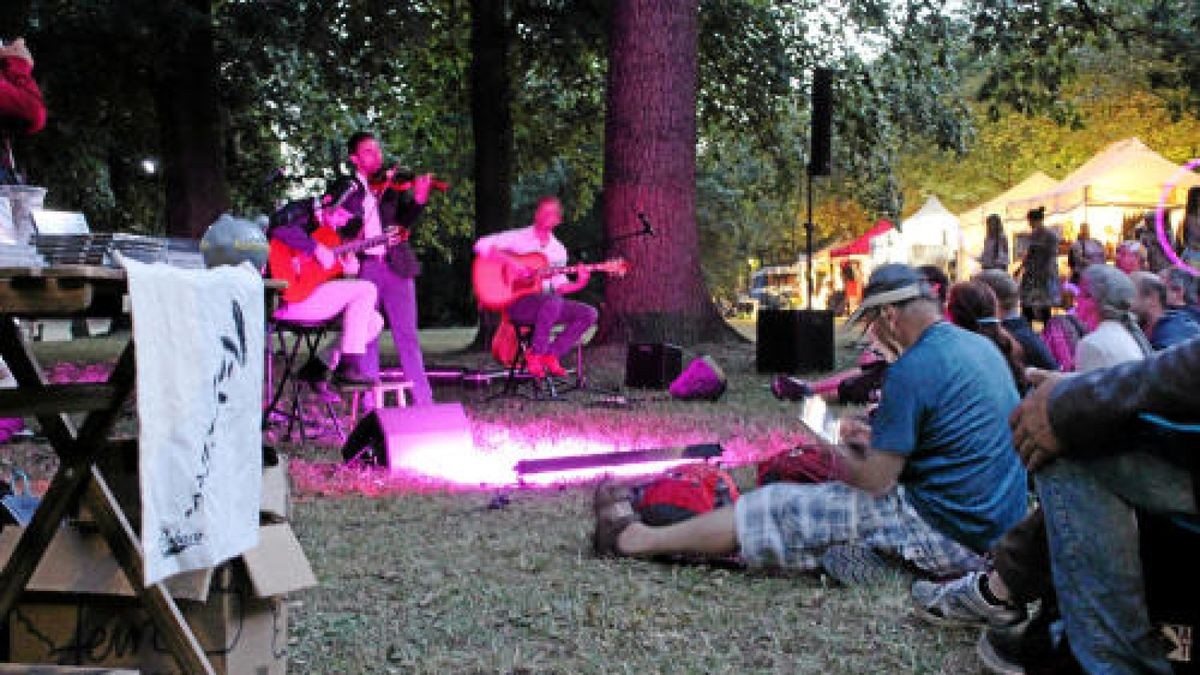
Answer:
x=973 y=221
x=931 y=236
x=1124 y=180
x=852 y=261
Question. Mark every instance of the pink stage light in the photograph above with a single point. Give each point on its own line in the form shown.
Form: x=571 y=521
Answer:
x=440 y=447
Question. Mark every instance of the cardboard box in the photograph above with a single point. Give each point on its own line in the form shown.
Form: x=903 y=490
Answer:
x=79 y=609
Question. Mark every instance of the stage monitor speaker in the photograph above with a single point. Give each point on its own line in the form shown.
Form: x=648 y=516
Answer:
x=416 y=438
x=794 y=340
x=652 y=365
x=820 y=143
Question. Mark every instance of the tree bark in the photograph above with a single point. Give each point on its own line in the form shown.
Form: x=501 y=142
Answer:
x=650 y=169
x=188 y=107
x=491 y=125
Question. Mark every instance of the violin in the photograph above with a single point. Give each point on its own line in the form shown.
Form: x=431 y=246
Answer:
x=400 y=180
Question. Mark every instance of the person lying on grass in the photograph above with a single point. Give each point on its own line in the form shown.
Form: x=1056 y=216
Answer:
x=929 y=483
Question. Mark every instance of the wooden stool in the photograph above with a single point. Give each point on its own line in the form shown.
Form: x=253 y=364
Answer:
x=399 y=387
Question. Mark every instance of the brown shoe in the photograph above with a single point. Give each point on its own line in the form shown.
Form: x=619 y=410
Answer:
x=614 y=513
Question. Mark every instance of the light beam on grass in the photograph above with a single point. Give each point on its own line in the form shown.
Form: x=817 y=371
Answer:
x=467 y=465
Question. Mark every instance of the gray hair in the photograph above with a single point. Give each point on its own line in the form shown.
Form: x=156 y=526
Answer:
x=1181 y=280
x=1148 y=284
x=1114 y=292
x=1004 y=286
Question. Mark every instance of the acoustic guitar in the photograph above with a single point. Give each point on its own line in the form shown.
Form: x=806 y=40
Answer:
x=301 y=270
x=498 y=285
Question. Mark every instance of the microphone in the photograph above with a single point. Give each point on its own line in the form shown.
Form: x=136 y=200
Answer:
x=646 y=227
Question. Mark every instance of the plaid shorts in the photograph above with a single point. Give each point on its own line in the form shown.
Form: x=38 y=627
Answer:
x=790 y=525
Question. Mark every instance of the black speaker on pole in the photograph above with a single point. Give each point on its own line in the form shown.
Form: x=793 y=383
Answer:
x=820 y=148
x=794 y=340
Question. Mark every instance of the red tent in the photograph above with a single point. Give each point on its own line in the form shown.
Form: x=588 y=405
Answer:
x=862 y=245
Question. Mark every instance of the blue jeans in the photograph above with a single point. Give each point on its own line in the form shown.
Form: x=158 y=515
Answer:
x=547 y=310
x=398 y=303
x=1095 y=560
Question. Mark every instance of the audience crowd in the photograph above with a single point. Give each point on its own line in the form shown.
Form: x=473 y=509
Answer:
x=932 y=478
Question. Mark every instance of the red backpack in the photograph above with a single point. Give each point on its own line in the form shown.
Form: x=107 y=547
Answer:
x=803 y=464
x=682 y=492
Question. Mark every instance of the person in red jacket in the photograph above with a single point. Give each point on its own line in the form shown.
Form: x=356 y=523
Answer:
x=21 y=105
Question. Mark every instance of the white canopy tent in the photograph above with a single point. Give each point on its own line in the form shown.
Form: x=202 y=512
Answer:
x=974 y=221
x=931 y=236
x=1127 y=176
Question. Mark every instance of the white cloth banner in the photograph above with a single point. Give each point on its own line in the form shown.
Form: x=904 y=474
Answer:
x=198 y=336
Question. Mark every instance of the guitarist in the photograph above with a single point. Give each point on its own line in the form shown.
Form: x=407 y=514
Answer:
x=354 y=299
x=549 y=308
x=393 y=269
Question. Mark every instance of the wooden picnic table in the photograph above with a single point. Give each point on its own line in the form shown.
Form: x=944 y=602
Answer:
x=78 y=291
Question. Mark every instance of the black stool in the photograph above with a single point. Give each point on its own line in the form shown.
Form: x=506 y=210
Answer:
x=518 y=370
x=292 y=335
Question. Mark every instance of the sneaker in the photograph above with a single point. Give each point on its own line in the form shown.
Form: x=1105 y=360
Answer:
x=999 y=650
x=960 y=603
x=787 y=388
x=855 y=565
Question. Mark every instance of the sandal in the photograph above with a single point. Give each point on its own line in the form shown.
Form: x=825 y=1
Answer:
x=608 y=492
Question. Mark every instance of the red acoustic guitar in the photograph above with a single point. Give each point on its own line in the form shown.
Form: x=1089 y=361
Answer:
x=497 y=286
x=303 y=273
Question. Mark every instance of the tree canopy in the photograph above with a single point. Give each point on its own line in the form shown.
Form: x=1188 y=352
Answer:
x=930 y=96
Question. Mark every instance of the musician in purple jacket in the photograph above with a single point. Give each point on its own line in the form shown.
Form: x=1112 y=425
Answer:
x=392 y=268
x=549 y=308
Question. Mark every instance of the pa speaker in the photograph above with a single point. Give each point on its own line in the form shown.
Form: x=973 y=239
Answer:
x=652 y=365
x=417 y=438
x=820 y=138
x=794 y=340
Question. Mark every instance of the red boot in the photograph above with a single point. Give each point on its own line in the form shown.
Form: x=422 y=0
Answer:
x=552 y=366
x=535 y=365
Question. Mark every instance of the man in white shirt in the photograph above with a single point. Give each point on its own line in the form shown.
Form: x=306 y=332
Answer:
x=548 y=308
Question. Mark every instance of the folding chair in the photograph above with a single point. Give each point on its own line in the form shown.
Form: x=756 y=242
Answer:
x=292 y=335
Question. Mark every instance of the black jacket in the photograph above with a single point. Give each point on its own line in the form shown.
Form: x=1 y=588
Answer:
x=1088 y=412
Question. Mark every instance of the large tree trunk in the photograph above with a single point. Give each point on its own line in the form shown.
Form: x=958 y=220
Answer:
x=190 y=124
x=491 y=125
x=650 y=168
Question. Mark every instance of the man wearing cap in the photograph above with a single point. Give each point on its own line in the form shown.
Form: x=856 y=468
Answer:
x=392 y=268
x=932 y=481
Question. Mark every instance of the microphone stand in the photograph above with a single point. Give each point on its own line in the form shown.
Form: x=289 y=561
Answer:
x=646 y=231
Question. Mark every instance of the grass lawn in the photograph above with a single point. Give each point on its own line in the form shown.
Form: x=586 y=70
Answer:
x=415 y=578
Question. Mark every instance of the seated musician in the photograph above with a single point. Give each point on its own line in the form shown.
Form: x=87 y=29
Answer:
x=548 y=308
x=354 y=299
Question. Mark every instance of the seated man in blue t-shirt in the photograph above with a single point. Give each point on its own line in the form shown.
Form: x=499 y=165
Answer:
x=933 y=480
